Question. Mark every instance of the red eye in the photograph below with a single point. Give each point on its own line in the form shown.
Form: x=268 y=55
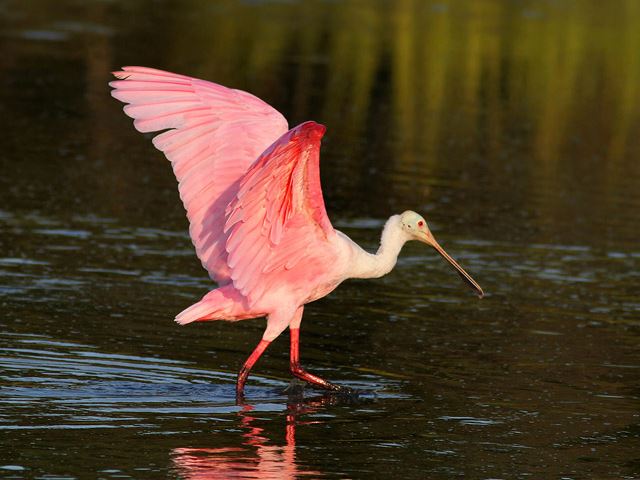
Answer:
x=421 y=223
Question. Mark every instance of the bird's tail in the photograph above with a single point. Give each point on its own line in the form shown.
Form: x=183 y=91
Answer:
x=224 y=303
x=195 y=312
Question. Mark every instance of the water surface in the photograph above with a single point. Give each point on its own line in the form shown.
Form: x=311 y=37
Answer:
x=512 y=126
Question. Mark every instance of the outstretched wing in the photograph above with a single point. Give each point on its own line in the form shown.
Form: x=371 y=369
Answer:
x=277 y=220
x=215 y=134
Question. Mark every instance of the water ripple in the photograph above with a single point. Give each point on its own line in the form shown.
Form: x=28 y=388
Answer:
x=66 y=385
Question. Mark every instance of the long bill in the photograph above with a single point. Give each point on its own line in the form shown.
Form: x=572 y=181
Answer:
x=464 y=275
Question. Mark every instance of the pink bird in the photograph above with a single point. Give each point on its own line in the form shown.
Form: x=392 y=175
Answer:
x=251 y=189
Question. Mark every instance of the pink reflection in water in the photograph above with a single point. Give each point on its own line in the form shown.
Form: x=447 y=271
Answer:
x=255 y=458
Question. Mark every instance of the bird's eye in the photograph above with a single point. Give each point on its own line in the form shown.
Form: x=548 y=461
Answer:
x=420 y=223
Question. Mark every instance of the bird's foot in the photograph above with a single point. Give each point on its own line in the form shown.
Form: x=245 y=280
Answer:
x=342 y=390
x=320 y=383
x=295 y=387
x=240 y=397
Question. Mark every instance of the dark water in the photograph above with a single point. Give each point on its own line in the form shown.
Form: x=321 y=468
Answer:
x=512 y=125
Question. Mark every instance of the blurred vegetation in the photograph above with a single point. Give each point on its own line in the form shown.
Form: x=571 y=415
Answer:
x=486 y=57
x=539 y=97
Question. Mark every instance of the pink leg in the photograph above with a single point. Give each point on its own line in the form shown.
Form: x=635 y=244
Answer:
x=301 y=373
x=246 y=368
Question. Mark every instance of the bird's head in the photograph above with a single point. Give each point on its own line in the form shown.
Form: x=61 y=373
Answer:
x=416 y=228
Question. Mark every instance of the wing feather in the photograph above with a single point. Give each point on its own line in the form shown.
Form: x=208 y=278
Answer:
x=277 y=219
x=215 y=134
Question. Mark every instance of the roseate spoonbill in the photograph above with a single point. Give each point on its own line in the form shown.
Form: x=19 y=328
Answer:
x=251 y=188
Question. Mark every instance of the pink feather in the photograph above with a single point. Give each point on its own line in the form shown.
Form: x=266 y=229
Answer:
x=216 y=134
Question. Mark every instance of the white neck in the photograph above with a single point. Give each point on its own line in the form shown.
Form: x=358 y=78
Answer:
x=367 y=265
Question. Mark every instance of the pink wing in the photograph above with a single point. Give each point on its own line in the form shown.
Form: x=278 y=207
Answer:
x=215 y=134
x=277 y=220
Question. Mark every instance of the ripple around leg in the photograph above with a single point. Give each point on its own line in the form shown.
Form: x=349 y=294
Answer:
x=64 y=385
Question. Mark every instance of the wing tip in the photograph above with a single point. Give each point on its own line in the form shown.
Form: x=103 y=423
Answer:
x=119 y=76
x=313 y=129
x=123 y=73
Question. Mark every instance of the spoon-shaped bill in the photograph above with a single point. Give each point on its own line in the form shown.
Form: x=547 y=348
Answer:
x=464 y=275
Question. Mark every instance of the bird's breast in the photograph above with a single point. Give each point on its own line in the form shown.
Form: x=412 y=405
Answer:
x=321 y=290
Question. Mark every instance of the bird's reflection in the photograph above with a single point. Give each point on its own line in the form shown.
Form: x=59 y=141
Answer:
x=256 y=457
